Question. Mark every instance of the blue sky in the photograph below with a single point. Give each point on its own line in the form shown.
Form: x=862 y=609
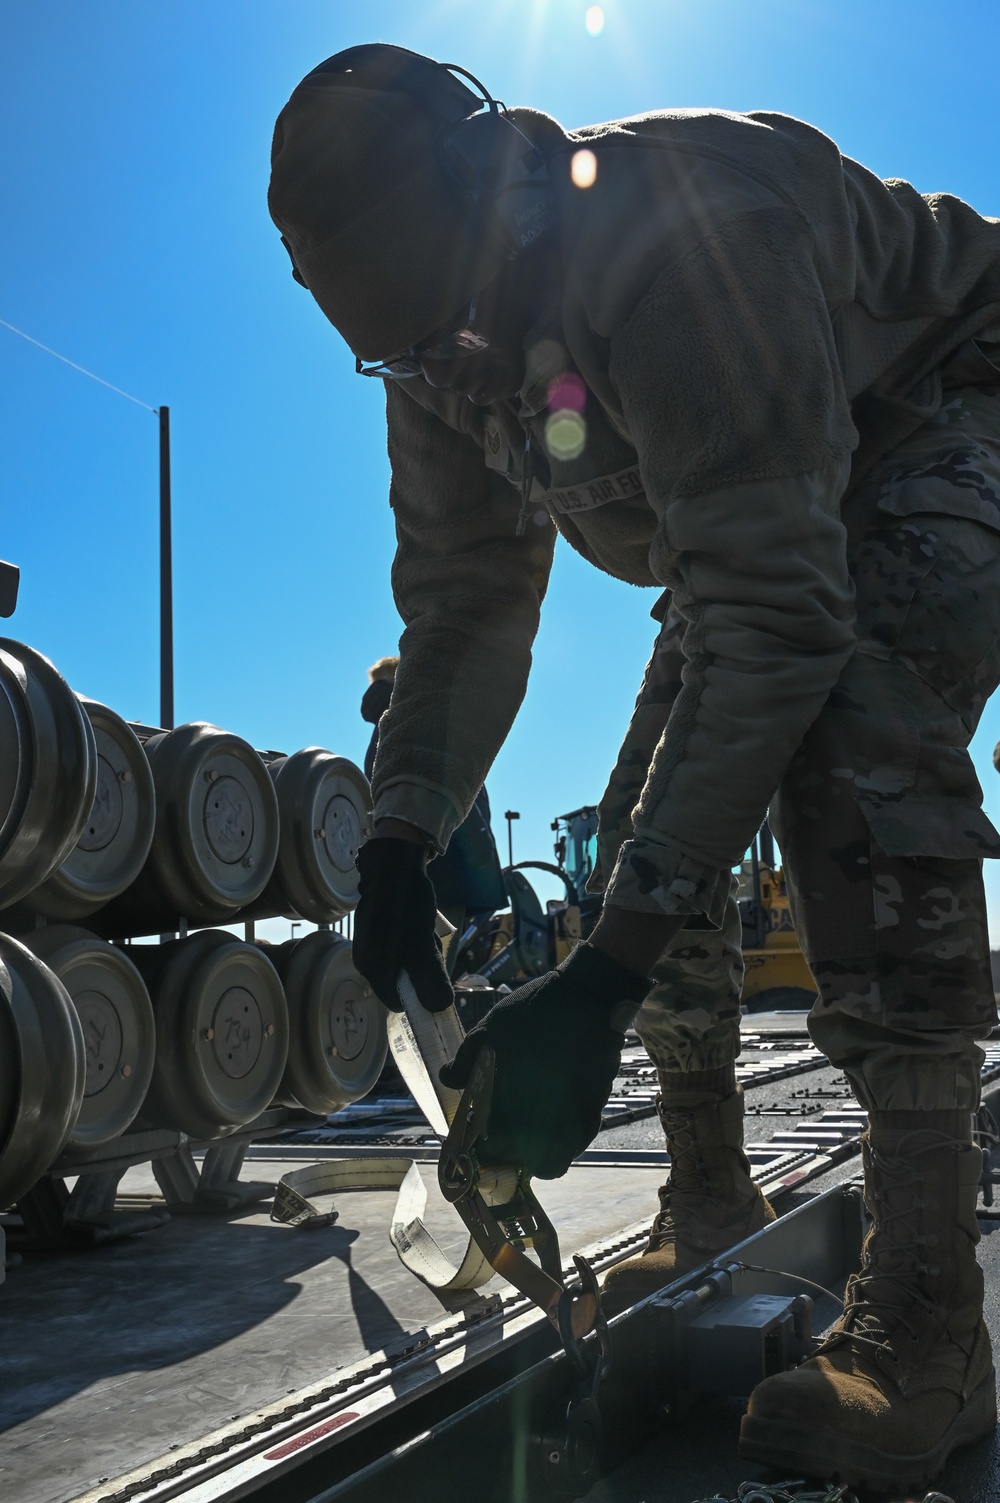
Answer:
x=137 y=243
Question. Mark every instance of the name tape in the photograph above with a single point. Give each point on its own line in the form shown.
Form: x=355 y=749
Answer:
x=587 y=497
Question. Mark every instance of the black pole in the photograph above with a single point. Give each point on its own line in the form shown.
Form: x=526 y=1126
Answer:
x=510 y=815
x=166 y=581
x=758 y=896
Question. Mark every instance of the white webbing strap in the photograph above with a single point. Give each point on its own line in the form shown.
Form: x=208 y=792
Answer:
x=420 y=1043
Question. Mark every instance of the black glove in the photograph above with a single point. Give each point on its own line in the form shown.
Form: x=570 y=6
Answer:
x=558 y=1043
x=394 y=924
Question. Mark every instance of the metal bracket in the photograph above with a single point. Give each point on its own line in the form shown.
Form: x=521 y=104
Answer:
x=571 y=1450
x=572 y=1454
x=10 y=578
x=53 y=1216
x=215 y=1187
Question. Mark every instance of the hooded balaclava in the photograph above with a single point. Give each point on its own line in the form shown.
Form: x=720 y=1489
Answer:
x=377 y=230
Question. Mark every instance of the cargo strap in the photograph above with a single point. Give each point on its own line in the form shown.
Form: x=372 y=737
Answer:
x=420 y=1042
x=498 y=1208
x=497 y=1205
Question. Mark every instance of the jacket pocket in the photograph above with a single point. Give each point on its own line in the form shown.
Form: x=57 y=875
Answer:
x=926 y=566
x=962 y=493
x=921 y=824
x=975 y=363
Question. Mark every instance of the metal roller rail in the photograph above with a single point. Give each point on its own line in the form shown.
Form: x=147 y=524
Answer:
x=401 y=1394
x=384 y=1120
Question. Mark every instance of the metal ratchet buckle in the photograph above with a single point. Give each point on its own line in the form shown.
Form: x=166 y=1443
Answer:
x=504 y=1231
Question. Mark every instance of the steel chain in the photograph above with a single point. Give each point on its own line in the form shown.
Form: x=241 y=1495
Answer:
x=784 y=1492
x=800 y=1492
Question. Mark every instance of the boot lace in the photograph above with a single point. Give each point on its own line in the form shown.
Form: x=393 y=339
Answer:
x=686 y=1173
x=888 y=1295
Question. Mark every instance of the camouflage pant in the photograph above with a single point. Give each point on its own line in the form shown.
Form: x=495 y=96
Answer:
x=878 y=817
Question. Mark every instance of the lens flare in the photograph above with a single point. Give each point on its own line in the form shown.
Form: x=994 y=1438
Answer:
x=565 y=434
x=583 y=168
x=567 y=393
x=544 y=362
x=594 y=20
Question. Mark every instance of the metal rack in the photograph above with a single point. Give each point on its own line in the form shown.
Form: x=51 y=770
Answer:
x=54 y=1214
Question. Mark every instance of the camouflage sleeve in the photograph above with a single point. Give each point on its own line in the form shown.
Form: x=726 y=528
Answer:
x=744 y=441
x=768 y=625
x=469 y=592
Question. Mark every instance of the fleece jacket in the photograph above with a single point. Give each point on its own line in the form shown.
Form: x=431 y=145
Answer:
x=747 y=322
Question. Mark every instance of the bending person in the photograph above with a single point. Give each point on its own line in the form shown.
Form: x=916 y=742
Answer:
x=713 y=355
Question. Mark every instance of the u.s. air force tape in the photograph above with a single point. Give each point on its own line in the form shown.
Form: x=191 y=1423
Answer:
x=421 y=1042
x=621 y=486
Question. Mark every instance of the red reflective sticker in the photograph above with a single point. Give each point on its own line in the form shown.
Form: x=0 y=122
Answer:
x=308 y=1436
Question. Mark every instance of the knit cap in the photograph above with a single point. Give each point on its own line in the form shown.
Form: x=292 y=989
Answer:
x=380 y=235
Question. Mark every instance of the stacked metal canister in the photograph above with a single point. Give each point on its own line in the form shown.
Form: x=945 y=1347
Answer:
x=111 y=834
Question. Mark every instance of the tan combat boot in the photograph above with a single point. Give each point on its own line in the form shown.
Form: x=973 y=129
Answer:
x=708 y=1204
x=906 y=1375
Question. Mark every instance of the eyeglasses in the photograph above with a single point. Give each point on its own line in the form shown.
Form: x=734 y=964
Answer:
x=457 y=343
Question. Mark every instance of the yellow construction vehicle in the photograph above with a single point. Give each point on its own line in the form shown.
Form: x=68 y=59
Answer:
x=529 y=939
x=776 y=976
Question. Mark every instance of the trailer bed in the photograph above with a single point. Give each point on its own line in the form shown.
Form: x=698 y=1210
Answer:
x=116 y=1357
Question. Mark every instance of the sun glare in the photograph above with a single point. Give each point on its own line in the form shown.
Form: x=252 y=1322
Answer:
x=594 y=20
x=583 y=168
